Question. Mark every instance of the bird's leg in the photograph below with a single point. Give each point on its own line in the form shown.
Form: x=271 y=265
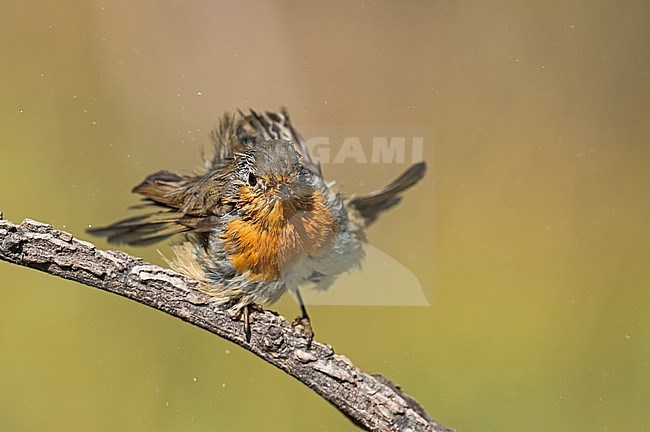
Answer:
x=303 y=320
x=245 y=314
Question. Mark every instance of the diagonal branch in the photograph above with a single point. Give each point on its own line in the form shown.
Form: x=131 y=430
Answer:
x=370 y=401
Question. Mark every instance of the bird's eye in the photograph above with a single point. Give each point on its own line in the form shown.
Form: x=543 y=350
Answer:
x=252 y=179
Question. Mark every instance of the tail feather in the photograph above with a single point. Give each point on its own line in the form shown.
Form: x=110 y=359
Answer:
x=277 y=125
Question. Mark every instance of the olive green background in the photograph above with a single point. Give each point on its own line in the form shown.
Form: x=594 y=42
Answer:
x=529 y=235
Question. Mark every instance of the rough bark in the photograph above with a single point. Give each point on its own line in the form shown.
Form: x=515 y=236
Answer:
x=371 y=401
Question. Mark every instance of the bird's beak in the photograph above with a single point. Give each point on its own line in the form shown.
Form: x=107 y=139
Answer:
x=294 y=195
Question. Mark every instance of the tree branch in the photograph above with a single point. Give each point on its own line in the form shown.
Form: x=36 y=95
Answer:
x=371 y=401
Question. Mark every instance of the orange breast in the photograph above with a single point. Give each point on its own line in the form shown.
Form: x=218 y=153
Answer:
x=270 y=239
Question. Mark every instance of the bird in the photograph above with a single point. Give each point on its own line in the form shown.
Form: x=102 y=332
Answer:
x=258 y=219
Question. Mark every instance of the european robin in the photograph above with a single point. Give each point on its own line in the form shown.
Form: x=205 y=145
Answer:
x=259 y=219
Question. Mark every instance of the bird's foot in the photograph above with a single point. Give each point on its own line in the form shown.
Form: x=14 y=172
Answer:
x=305 y=323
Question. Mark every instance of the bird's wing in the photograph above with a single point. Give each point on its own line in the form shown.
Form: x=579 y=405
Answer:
x=181 y=204
x=371 y=205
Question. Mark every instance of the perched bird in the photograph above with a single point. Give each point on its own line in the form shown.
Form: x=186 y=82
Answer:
x=259 y=219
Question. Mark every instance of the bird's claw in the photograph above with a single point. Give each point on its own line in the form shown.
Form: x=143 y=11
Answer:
x=305 y=323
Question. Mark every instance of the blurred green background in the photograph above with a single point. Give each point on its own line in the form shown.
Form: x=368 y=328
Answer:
x=529 y=235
